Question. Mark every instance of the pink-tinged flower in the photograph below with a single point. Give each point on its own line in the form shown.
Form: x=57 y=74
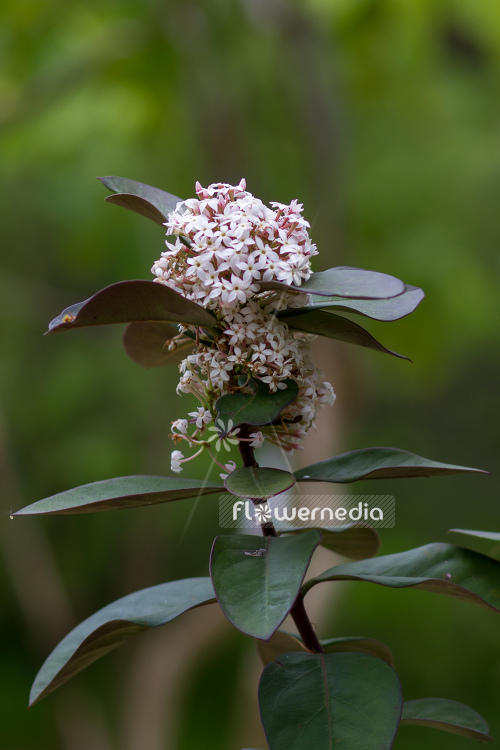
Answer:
x=258 y=439
x=236 y=290
x=175 y=461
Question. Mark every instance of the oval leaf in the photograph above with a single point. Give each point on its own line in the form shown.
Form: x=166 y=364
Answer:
x=258 y=408
x=257 y=482
x=438 y=568
x=439 y=713
x=144 y=199
x=122 y=492
x=486 y=542
x=257 y=579
x=336 y=327
x=356 y=542
x=326 y=701
x=377 y=309
x=145 y=343
x=129 y=301
x=377 y=463
x=116 y=623
x=355 y=283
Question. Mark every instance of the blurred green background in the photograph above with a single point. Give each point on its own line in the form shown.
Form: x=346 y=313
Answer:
x=383 y=117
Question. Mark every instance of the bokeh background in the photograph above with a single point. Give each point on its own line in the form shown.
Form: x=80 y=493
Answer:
x=383 y=117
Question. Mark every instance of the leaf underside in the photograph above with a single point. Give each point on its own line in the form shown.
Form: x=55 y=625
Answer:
x=146 y=344
x=258 y=482
x=356 y=541
x=345 y=282
x=116 y=623
x=332 y=326
x=437 y=568
x=284 y=643
x=486 y=542
x=386 y=310
x=447 y=715
x=377 y=463
x=122 y=492
x=148 y=201
x=131 y=301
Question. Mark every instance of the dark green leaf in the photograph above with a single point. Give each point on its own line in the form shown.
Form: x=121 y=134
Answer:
x=258 y=408
x=327 y=701
x=122 y=492
x=361 y=645
x=145 y=344
x=129 y=301
x=438 y=568
x=335 y=327
x=377 y=463
x=377 y=309
x=144 y=199
x=439 y=713
x=257 y=579
x=258 y=482
x=356 y=542
x=115 y=624
x=486 y=542
x=285 y=643
x=356 y=283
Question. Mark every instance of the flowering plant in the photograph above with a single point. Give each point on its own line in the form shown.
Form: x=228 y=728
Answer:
x=236 y=280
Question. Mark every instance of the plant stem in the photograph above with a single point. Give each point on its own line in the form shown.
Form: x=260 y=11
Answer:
x=298 y=611
x=246 y=450
x=304 y=626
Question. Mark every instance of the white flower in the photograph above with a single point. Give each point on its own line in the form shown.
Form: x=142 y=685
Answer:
x=203 y=416
x=180 y=425
x=230 y=466
x=258 y=439
x=175 y=461
x=237 y=288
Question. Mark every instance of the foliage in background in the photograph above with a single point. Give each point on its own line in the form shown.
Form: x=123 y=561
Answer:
x=387 y=113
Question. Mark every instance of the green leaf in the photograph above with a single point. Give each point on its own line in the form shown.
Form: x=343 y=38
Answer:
x=377 y=463
x=257 y=579
x=257 y=482
x=345 y=282
x=335 y=327
x=356 y=542
x=377 y=309
x=450 y=716
x=129 y=301
x=258 y=408
x=284 y=643
x=144 y=199
x=438 y=568
x=145 y=344
x=486 y=542
x=326 y=701
x=116 y=623
x=360 y=645
x=122 y=492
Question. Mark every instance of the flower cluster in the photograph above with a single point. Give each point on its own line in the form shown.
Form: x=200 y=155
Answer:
x=229 y=243
x=229 y=247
